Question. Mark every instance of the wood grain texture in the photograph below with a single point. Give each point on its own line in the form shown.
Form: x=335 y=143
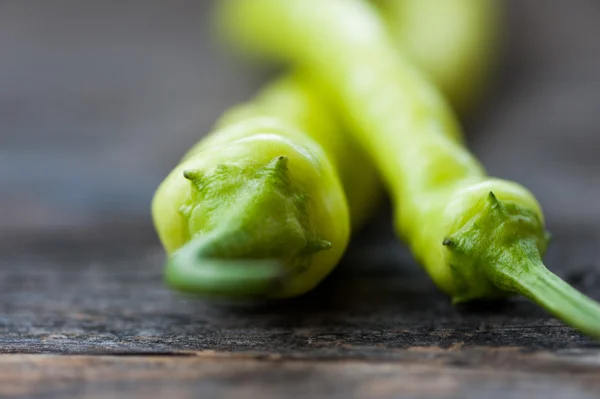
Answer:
x=203 y=374
x=82 y=315
x=84 y=293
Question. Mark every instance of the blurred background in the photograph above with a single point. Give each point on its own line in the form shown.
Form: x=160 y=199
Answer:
x=99 y=99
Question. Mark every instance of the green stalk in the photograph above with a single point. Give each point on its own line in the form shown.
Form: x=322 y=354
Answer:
x=247 y=251
x=499 y=251
x=522 y=271
x=189 y=270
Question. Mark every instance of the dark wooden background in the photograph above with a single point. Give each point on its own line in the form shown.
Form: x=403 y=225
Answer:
x=99 y=99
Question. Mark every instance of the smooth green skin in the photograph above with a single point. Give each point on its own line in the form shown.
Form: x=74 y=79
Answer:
x=455 y=42
x=257 y=208
x=477 y=237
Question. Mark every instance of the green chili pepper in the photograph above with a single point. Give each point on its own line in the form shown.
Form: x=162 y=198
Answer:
x=477 y=237
x=257 y=208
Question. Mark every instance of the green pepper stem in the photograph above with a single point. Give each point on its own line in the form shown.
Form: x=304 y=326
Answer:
x=188 y=270
x=534 y=281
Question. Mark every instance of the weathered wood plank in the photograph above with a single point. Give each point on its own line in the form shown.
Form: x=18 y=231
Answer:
x=492 y=374
x=79 y=293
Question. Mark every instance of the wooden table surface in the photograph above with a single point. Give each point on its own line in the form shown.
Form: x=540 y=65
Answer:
x=98 y=100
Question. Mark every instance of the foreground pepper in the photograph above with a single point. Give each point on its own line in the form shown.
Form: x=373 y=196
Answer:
x=477 y=237
x=257 y=208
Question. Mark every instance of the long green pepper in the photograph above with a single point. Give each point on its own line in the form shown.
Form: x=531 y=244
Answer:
x=257 y=208
x=477 y=237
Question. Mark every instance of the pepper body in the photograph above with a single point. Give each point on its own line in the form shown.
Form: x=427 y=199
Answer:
x=259 y=188
x=477 y=237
